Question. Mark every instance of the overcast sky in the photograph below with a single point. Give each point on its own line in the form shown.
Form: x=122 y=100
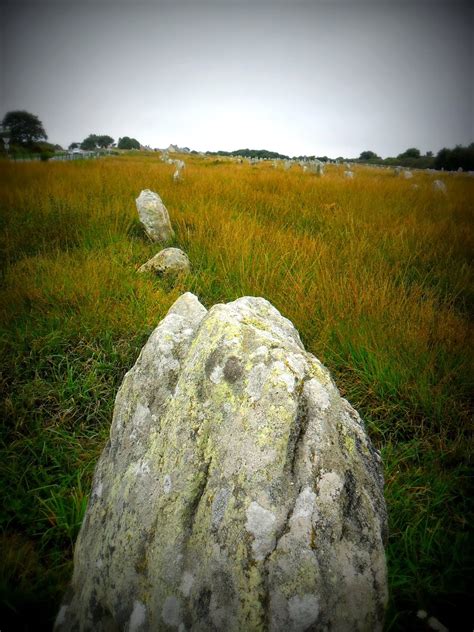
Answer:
x=326 y=78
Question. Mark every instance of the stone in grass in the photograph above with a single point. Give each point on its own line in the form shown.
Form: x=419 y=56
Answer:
x=168 y=262
x=154 y=216
x=238 y=490
x=316 y=167
x=349 y=174
x=439 y=185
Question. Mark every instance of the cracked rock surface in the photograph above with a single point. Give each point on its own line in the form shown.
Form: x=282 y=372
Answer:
x=238 y=490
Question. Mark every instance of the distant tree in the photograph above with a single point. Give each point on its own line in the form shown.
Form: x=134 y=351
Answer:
x=128 y=143
x=412 y=152
x=25 y=128
x=104 y=141
x=453 y=159
x=253 y=153
x=74 y=146
x=90 y=143
x=368 y=155
x=93 y=141
x=429 y=154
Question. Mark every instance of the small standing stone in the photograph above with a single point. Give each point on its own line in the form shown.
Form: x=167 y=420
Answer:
x=154 y=216
x=168 y=262
x=317 y=167
x=438 y=185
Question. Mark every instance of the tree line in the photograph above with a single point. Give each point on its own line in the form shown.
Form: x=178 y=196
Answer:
x=448 y=159
x=104 y=141
x=27 y=133
x=248 y=153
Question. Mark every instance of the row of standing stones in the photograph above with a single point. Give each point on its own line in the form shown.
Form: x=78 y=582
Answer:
x=155 y=218
x=316 y=167
x=238 y=490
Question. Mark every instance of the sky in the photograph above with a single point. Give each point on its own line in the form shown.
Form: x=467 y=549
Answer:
x=333 y=77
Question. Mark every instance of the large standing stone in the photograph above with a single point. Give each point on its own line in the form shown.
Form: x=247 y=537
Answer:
x=168 y=262
x=238 y=491
x=154 y=216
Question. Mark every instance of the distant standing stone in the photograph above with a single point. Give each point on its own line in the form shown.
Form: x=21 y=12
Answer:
x=348 y=174
x=154 y=216
x=168 y=262
x=317 y=167
x=407 y=174
x=438 y=185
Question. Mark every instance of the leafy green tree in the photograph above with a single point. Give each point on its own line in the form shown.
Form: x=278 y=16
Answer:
x=93 y=141
x=128 y=143
x=253 y=153
x=453 y=159
x=368 y=155
x=25 y=128
x=104 y=141
x=90 y=143
x=412 y=152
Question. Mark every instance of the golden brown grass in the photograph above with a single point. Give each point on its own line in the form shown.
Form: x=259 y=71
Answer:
x=375 y=275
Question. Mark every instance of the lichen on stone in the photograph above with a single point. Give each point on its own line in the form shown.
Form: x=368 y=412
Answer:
x=238 y=491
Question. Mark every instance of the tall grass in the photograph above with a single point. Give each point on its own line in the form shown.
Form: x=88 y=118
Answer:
x=376 y=276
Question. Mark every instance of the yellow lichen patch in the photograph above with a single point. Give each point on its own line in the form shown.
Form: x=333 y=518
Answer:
x=252 y=598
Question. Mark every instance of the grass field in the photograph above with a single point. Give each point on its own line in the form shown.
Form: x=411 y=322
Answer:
x=375 y=275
